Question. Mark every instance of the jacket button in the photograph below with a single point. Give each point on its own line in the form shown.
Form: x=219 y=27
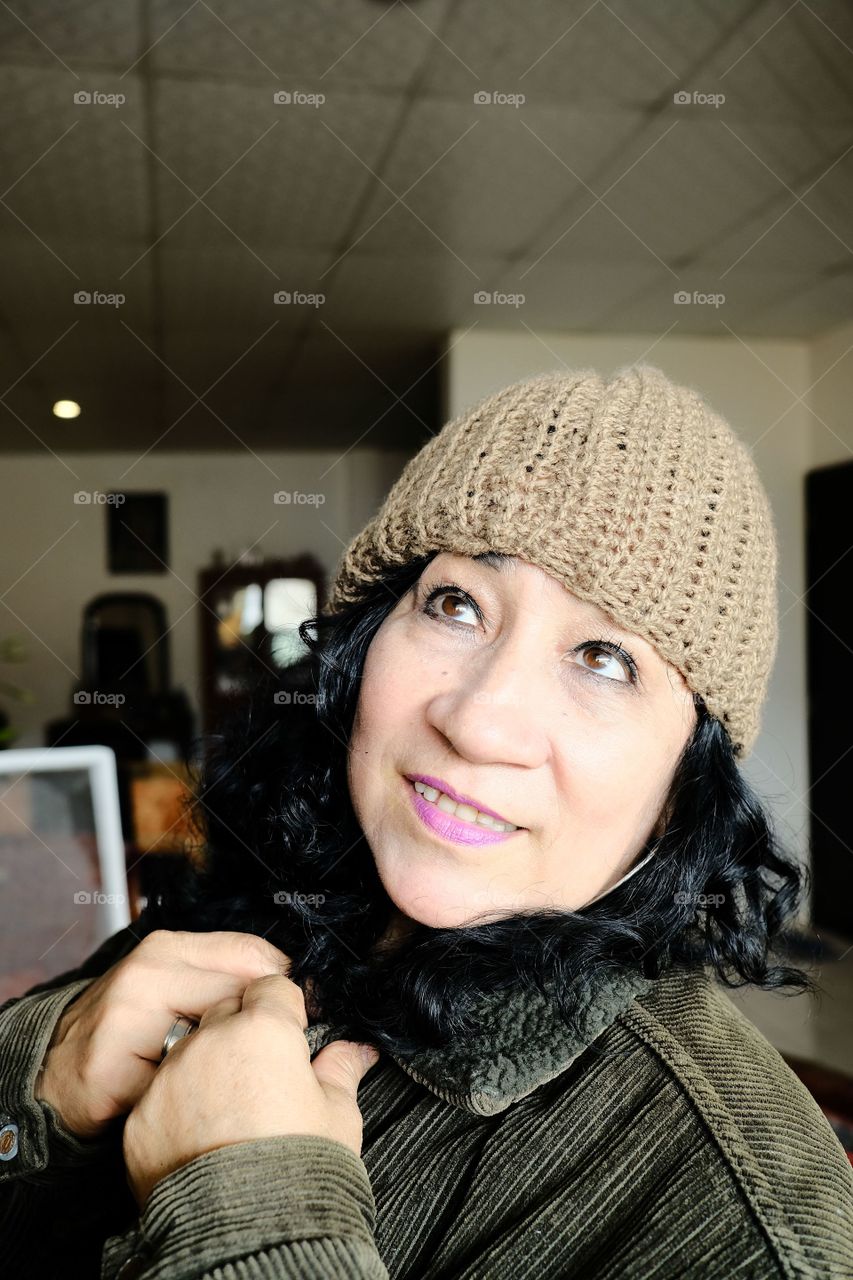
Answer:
x=8 y=1139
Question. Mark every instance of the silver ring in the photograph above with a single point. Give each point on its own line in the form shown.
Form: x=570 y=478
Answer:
x=180 y=1028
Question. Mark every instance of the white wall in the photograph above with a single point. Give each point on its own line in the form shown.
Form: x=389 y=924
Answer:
x=53 y=552
x=755 y=385
x=831 y=398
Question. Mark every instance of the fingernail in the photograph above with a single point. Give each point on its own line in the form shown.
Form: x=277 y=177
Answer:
x=370 y=1054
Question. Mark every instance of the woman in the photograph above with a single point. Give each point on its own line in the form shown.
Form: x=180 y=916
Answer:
x=510 y=848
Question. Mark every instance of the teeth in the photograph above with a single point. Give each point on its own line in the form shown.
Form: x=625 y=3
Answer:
x=465 y=811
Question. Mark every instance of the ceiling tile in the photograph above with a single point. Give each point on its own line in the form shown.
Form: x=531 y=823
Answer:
x=286 y=46
x=70 y=162
x=428 y=291
x=55 y=33
x=753 y=303
x=567 y=295
x=785 y=233
x=794 y=60
x=39 y=291
x=282 y=175
x=557 y=53
x=803 y=307
x=683 y=183
x=228 y=290
x=483 y=177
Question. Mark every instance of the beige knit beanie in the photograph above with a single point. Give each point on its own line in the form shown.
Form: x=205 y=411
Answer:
x=630 y=491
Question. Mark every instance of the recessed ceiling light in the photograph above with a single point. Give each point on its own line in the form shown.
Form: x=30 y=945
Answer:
x=66 y=409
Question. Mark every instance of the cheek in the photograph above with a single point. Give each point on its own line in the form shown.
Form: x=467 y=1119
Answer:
x=386 y=729
x=608 y=779
x=391 y=699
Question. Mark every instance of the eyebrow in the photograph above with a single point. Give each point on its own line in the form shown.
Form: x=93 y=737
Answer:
x=493 y=559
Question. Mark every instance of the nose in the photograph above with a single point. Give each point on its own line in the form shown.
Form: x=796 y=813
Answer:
x=493 y=713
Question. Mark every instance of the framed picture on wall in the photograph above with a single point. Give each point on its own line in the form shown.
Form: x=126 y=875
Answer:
x=137 y=532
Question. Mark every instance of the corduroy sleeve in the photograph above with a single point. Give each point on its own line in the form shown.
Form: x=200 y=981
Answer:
x=60 y=1195
x=293 y=1207
x=34 y=1144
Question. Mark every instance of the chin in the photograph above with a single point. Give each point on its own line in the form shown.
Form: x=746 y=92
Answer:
x=428 y=910
x=431 y=901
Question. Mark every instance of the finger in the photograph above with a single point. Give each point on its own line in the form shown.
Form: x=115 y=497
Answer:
x=184 y=993
x=276 y=994
x=338 y=1069
x=192 y=991
x=342 y=1065
x=243 y=954
x=220 y=1011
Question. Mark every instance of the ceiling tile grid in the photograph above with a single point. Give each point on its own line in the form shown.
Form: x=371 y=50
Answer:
x=479 y=175
x=67 y=162
x=55 y=32
x=221 y=215
x=280 y=174
x=360 y=41
x=620 y=53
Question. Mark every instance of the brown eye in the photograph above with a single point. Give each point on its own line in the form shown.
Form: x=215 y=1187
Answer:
x=604 y=661
x=448 y=604
x=452 y=606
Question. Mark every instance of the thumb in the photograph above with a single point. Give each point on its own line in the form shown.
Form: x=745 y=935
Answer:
x=343 y=1063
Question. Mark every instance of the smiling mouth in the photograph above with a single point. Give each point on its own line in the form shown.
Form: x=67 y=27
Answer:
x=465 y=812
x=453 y=827
x=456 y=816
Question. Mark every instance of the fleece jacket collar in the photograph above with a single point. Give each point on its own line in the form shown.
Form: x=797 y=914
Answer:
x=520 y=1043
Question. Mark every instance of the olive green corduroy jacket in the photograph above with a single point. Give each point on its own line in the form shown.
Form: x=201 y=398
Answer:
x=668 y=1140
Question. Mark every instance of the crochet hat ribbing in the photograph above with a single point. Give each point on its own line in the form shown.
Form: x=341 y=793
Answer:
x=631 y=492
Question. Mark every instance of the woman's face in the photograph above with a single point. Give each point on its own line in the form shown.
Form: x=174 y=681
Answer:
x=490 y=679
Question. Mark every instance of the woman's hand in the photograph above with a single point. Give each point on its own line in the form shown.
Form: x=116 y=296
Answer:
x=106 y=1047
x=245 y=1073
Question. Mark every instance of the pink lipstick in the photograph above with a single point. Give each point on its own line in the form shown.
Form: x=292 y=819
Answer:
x=448 y=825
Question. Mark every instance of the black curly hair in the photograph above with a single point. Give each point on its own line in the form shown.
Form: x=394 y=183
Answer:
x=285 y=858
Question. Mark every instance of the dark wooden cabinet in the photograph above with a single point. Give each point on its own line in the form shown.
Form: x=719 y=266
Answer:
x=248 y=615
x=829 y=665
